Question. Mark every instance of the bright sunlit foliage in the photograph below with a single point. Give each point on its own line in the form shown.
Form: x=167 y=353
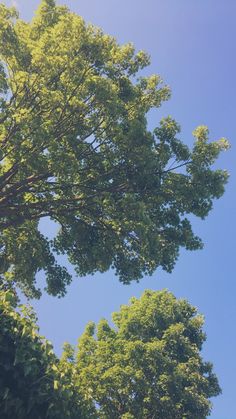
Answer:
x=75 y=147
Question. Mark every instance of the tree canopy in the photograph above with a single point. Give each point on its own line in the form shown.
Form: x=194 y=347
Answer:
x=75 y=147
x=149 y=364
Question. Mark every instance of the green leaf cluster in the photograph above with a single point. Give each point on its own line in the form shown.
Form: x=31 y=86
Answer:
x=34 y=383
x=75 y=147
x=148 y=365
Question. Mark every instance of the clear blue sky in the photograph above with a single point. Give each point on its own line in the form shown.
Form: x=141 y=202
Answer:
x=192 y=45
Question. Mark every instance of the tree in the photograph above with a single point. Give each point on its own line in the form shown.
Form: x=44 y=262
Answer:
x=75 y=147
x=34 y=383
x=148 y=365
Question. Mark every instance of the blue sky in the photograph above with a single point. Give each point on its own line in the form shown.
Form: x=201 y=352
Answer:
x=192 y=45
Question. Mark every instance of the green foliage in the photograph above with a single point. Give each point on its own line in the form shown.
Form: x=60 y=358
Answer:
x=34 y=384
x=149 y=365
x=75 y=147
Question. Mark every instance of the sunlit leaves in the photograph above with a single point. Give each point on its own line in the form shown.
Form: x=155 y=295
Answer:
x=149 y=365
x=34 y=383
x=75 y=147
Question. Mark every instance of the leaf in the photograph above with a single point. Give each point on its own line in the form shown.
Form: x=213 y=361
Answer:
x=56 y=385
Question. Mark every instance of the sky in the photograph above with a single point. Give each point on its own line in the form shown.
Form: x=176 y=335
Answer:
x=192 y=46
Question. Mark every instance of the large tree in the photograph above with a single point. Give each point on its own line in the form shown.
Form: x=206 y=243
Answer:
x=75 y=147
x=149 y=365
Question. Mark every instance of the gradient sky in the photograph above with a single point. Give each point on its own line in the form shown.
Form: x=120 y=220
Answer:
x=192 y=45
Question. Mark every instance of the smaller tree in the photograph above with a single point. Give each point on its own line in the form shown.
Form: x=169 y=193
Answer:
x=149 y=365
x=34 y=383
